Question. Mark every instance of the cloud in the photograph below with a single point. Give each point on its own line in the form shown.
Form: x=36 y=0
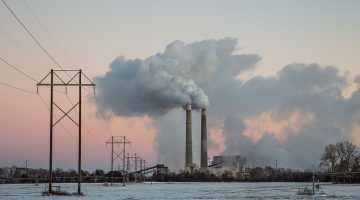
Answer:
x=280 y=125
x=301 y=105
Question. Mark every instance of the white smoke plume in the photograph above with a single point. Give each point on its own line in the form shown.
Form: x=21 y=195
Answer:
x=302 y=105
x=136 y=87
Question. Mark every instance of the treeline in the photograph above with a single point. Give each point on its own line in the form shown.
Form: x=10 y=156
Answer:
x=257 y=174
x=340 y=163
x=22 y=175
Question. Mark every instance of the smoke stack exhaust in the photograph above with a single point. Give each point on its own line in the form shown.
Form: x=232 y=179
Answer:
x=204 y=154
x=189 y=156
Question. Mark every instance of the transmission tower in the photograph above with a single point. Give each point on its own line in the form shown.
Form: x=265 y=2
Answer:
x=121 y=155
x=57 y=80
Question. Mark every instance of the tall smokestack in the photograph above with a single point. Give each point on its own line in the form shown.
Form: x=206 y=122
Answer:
x=189 y=158
x=204 y=154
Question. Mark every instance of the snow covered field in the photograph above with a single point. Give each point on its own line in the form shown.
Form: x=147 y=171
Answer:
x=180 y=191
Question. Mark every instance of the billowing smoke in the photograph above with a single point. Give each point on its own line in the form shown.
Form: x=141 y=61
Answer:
x=289 y=116
x=137 y=87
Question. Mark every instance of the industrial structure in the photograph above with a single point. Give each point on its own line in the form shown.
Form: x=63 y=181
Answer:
x=235 y=164
x=189 y=165
x=204 y=154
x=188 y=150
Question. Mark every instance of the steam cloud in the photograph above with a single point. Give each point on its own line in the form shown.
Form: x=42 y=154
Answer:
x=159 y=85
x=136 y=87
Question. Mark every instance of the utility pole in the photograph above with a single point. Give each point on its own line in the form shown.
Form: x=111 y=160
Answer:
x=140 y=169
x=123 y=174
x=143 y=169
x=127 y=167
x=121 y=155
x=68 y=82
x=26 y=166
x=112 y=160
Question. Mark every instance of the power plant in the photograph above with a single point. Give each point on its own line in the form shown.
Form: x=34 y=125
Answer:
x=188 y=151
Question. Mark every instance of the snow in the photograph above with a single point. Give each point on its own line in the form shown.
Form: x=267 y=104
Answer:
x=179 y=191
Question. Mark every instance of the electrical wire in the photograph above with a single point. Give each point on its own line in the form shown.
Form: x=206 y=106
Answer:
x=8 y=37
x=34 y=38
x=16 y=88
x=48 y=32
x=18 y=70
x=43 y=48
x=31 y=35
x=102 y=114
x=26 y=75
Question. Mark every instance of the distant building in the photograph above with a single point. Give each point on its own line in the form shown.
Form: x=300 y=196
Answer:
x=233 y=163
x=20 y=172
x=237 y=165
x=8 y=172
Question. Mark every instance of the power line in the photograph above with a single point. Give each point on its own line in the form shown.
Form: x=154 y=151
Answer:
x=7 y=36
x=102 y=114
x=47 y=32
x=23 y=73
x=43 y=48
x=32 y=36
x=16 y=88
x=18 y=70
x=42 y=100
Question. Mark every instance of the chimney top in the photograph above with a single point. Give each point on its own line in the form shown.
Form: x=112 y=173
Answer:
x=203 y=111
x=188 y=106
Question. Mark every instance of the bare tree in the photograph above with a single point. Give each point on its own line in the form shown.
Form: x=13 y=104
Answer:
x=330 y=157
x=356 y=165
x=342 y=156
x=347 y=153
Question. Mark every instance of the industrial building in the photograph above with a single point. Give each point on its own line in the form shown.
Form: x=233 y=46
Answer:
x=235 y=164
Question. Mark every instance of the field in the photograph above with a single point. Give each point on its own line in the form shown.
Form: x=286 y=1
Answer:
x=181 y=191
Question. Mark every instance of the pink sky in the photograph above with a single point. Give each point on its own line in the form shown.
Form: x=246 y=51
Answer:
x=25 y=134
x=93 y=34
